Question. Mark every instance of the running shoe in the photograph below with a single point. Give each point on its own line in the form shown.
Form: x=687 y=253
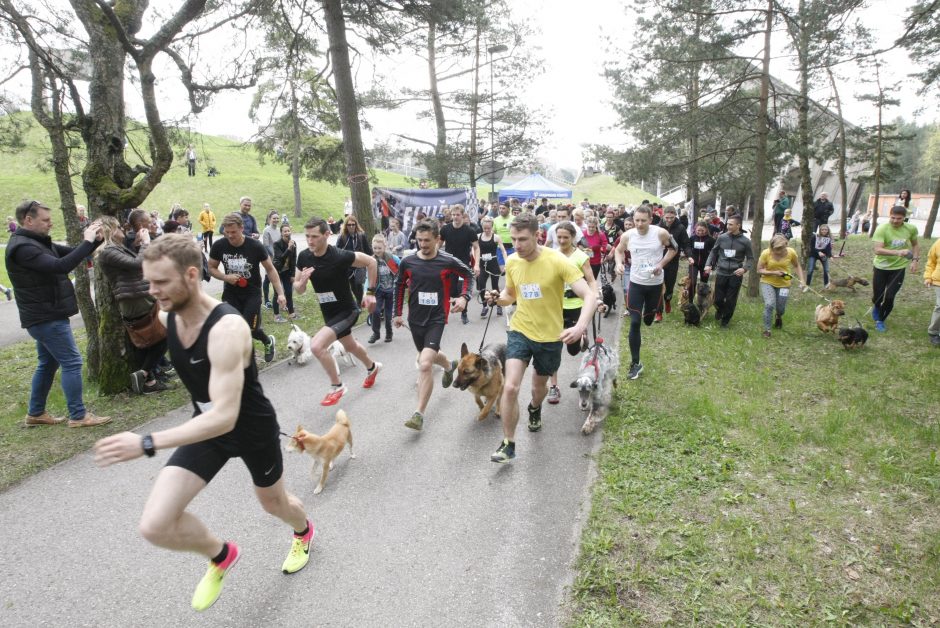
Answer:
x=268 y=305
x=778 y=324
x=156 y=386
x=535 y=418
x=388 y=336
x=333 y=397
x=295 y=316
x=138 y=378
x=210 y=587
x=9 y=294
x=280 y=319
x=484 y=311
x=668 y=307
x=635 y=369
x=373 y=338
x=505 y=453
x=416 y=422
x=766 y=333
x=269 y=349
x=448 y=377
x=554 y=395
x=880 y=326
x=370 y=377
x=299 y=551
x=658 y=318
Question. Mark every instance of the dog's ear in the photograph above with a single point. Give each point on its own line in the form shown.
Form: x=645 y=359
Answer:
x=574 y=384
x=463 y=349
x=299 y=427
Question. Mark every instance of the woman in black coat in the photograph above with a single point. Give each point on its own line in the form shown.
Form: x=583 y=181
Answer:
x=353 y=238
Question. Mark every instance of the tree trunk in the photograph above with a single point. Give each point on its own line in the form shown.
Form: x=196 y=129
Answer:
x=932 y=216
x=439 y=171
x=808 y=219
x=357 y=173
x=295 y=148
x=475 y=109
x=878 y=146
x=840 y=165
x=760 y=160
x=692 y=104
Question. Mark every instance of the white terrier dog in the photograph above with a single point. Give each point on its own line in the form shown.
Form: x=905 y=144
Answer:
x=339 y=353
x=298 y=343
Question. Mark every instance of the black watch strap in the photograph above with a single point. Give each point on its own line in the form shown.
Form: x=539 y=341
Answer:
x=146 y=443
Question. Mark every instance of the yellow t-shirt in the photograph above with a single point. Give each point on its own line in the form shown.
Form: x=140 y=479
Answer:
x=787 y=265
x=539 y=286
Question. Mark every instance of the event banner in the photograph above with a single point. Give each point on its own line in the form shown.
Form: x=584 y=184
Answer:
x=408 y=204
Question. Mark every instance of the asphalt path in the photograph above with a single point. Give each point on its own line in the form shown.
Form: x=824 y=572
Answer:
x=420 y=529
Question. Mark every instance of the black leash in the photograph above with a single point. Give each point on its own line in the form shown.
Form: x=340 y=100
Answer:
x=488 y=317
x=884 y=294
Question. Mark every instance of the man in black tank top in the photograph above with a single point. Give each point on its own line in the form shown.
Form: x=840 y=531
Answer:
x=210 y=346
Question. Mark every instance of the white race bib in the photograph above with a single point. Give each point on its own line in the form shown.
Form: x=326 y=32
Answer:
x=326 y=297
x=427 y=298
x=784 y=292
x=531 y=291
x=698 y=245
x=729 y=252
x=486 y=257
x=898 y=244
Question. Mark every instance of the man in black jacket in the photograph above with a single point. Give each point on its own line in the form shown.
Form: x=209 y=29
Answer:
x=822 y=209
x=45 y=298
x=671 y=271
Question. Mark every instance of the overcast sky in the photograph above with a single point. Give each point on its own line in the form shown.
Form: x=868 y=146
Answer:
x=574 y=44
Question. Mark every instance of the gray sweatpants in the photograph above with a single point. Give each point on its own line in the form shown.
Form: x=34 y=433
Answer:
x=773 y=300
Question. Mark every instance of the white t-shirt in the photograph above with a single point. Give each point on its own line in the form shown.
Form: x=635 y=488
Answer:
x=646 y=251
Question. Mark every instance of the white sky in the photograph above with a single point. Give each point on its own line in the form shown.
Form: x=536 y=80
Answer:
x=573 y=43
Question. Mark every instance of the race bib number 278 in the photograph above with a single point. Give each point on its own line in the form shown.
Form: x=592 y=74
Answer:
x=531 y=291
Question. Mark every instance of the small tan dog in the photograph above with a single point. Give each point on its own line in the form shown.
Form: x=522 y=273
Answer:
x=827 y=316
x=324 y=449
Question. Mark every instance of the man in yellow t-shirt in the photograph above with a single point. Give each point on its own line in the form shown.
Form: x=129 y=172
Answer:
x=535 y=282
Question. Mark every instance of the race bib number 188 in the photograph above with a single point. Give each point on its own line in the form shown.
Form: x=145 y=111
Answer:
x=531 y=291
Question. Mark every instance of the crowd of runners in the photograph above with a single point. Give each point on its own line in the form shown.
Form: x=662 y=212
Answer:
x=550 y=265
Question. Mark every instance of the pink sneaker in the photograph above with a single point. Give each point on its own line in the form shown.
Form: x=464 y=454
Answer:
x=333 y=397
x=370 y=378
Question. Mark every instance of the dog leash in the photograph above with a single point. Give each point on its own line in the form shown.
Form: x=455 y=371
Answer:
x=488 y=317
x=884 y=295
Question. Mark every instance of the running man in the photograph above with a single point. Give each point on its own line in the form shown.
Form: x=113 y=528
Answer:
x=731 y=256
x=429 y=276
x=896 y=249
x=461 y=241
x=646 y=243
x=535 y=282
x=236 y=260
x=327 y=269
x=210 y=346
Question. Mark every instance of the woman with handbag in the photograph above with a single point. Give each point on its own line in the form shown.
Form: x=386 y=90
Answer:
x=122 y=267
x=353 y=238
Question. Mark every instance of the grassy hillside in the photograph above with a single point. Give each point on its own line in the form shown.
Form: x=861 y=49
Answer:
x=27 y=174
x=602 y=188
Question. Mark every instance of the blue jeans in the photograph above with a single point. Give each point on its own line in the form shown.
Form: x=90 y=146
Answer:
x=811 y=267
x=56 y=346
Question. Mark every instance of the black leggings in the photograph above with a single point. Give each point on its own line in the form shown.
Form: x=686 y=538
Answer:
x=885 y=285
x=206 y=240
x=287 y=283
x=490 y=270
x=644 y=302
x=670 y=274
x=570 y=318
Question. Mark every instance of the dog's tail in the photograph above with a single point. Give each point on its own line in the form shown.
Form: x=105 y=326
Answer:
x=341 y=418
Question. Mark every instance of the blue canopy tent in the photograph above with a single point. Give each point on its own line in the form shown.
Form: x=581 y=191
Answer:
x=534 y=186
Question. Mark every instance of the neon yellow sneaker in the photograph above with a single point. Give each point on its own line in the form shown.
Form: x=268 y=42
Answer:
x=210 y=587
x=299 y=551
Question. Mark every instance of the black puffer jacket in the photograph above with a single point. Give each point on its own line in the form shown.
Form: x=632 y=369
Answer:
x=125 y=272
x=38 y=270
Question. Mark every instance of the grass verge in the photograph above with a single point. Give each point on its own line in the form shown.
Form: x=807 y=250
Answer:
x=25 y=451
x=781 y=481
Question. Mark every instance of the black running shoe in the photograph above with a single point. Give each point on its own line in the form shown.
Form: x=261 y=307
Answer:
x=505 y=453
x=269 y=349
x=635 y=369
x=535 y=418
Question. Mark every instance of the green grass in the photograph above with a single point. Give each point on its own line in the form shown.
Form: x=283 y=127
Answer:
x=24 y=451
x=781 y=481
x=603 y=188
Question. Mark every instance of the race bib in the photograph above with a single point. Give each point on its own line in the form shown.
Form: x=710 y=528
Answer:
x=486 y=257
x=729 y=252
x=898 y=244
x=531 y=291
x=698 y=245
x=427 y=298
x=326 y=297
x=784 y=292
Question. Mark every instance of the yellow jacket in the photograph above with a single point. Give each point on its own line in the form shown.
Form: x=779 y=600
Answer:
x=207 y=220
x=932 y=267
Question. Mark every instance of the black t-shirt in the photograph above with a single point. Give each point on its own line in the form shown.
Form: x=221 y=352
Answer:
x=459 y=241
x=330 y=279
x=244 y=261
x=428 y=282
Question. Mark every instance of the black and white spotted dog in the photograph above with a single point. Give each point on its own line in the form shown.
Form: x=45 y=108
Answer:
x=596 y=380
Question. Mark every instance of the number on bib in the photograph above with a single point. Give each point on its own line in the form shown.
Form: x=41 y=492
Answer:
x=531 y=291
x=427 y=298
x=698 y=245
x=784 y=292
x=729 y=252
x=326 y=297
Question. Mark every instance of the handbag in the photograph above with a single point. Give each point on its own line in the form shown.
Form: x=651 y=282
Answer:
x=147 y=330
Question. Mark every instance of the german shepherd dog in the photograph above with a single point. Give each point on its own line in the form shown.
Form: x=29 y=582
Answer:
x=482 y=373
x=595 y=383
x=848 y=282
x=703 y=298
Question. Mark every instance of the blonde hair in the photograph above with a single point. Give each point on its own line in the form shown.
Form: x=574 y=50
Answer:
x=779 y=241
x=108 y=225
x=379 y=239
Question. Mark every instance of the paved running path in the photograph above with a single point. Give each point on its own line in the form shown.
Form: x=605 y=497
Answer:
x=421 y=529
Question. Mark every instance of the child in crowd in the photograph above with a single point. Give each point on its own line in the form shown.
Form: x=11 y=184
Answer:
x=787 y=224
x=820 y=250
x=384 y=288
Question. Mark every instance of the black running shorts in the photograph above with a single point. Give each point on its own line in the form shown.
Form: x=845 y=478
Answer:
x=342 y=323
x=427 y=336
x=206 y=459
x=249 y=305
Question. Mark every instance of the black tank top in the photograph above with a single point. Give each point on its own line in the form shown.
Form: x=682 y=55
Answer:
x=257 y=421
x=488 y=246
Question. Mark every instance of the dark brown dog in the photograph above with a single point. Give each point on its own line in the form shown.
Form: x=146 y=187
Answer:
x=848 y=282
x=827 y=316
x=482 y=373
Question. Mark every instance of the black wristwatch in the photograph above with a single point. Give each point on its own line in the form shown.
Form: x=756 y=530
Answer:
x=146 y=443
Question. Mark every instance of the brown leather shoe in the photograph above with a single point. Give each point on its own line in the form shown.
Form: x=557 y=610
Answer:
x=43 y=419
x=89 y=420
